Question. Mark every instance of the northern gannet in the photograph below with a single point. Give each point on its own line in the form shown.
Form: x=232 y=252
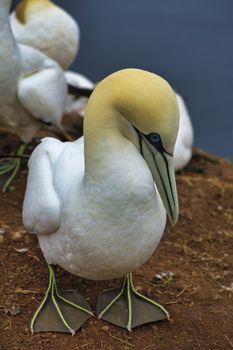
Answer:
x=48 y=28
x=98 y=204
x=184 y=141
x=33 y=89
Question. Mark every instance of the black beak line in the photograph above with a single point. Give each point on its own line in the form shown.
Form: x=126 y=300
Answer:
x=168 y=172
x=164 y=187
x=166 y=162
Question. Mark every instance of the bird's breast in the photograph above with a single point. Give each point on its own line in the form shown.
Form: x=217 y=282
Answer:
x=110 y=228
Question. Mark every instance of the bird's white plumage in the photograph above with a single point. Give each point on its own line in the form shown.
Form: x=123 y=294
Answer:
x=50 y=30
x=46 y=104
x=184 y=141
x=43 y=214
x=33 y=87
x=109 y=224
x=93 y=202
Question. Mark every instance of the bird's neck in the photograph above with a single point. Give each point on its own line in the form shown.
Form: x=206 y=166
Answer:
x=28 y=8
x=115 y=171
x=106 y=138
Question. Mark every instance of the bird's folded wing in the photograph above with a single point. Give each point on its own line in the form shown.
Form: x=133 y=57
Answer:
x=41 y=208
x=43 y=93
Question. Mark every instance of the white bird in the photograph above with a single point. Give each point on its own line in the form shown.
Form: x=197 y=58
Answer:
x=48 y=28
x=98 y=205
x=184 y=142
x=33 y=89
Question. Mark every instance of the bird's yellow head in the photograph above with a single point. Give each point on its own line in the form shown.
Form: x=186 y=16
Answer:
x=147 y=101
x=147 y=113
x=28 y=7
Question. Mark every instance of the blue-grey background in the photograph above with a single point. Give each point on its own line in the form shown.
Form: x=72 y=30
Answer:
x=189 y=42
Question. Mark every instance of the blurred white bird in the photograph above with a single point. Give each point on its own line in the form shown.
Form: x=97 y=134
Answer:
x=48 y=28
x=76 y=104
x=45 y=26
x=99 y=207
x=33 y=89
x=184 y=142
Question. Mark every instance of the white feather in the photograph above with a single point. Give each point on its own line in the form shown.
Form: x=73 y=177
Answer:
x=42 y=202
x=43 y=93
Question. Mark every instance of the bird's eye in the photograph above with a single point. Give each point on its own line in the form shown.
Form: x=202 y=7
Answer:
x=154 y=138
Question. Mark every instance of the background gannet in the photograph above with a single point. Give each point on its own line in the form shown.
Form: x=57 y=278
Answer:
x=99 y=208
x=77 y=105
x=33 y=89
x=48 y=28
x=184 y=142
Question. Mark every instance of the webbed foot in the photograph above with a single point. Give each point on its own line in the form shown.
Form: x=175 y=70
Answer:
x=127 y=308
x=63 y=312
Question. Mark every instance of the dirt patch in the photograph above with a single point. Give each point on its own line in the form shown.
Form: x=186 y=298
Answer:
x=198 y=250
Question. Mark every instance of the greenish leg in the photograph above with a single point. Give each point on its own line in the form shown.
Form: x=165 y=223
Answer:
x=57 y=313
x=5 y=168
x=127 y=308
x=12 y=166
x=42 y=303
x=129 y=325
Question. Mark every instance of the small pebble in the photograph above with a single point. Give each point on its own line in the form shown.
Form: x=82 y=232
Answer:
x=13 y=311
x=21 y=250
x=16 y=236
x=105 y=329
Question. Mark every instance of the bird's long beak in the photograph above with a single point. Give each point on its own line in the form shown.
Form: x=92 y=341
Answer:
x=162 y=170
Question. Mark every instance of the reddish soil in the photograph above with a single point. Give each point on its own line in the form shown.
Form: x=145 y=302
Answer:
x=198 y=250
